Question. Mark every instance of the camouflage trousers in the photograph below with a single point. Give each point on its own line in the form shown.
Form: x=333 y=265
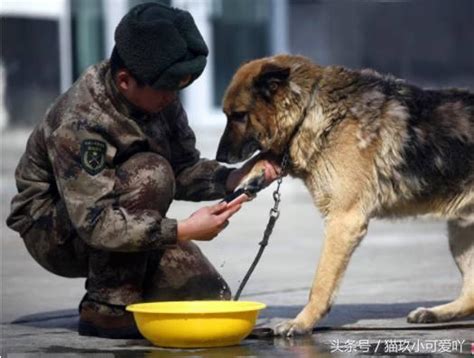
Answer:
x=121 y=278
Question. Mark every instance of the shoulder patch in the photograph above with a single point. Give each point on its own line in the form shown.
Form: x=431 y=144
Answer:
x=93 y=155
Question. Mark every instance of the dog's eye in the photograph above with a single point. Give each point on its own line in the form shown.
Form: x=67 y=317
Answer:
x=238 y=116
x=273 y=86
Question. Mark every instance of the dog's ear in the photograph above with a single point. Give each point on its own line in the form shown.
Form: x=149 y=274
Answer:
x=270 y=78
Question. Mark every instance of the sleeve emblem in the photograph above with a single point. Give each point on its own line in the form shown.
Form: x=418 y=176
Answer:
x=93 y=156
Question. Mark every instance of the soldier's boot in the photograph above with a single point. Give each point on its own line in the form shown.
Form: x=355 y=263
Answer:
x=115 y=281
x=103 y=320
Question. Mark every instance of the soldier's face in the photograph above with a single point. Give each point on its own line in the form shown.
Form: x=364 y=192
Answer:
x=144 y=97
x=152 y=100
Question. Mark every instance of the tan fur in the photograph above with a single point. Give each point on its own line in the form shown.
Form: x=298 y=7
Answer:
x=349 y=142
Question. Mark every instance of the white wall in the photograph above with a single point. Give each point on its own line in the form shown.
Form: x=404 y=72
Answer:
x=33 y=8
x=114 y=10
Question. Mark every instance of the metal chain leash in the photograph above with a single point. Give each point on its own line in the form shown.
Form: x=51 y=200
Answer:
x=274 y=215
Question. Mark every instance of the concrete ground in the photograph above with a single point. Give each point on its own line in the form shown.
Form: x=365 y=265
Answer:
x=399 y=267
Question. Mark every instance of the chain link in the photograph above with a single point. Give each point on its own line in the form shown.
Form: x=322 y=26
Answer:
x=274 y=215
x=275 y=212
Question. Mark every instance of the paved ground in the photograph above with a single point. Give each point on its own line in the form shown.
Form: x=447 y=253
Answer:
x=398 y=267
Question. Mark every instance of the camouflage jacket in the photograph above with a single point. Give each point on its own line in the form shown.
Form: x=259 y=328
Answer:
x=93 y=110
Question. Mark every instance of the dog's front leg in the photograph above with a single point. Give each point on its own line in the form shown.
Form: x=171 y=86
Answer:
x=343 y=234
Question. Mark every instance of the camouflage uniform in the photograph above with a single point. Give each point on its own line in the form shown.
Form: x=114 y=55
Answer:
x=94 y=186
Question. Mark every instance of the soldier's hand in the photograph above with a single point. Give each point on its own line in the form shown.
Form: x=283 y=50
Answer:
x=207 y=222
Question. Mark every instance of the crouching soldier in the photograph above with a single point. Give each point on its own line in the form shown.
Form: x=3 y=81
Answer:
x=102 y=168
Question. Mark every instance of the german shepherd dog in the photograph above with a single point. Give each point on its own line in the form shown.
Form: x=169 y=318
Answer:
x=365 y=145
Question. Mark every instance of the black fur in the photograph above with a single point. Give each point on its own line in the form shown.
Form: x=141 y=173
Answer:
x=442 y=144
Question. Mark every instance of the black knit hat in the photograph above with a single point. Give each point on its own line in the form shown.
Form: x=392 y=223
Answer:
x=161 y=45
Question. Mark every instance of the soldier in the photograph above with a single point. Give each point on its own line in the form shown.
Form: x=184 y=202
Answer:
x=102 y=168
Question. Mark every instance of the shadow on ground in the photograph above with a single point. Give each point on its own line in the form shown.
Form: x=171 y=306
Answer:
x=54 y=332
x=340 y=315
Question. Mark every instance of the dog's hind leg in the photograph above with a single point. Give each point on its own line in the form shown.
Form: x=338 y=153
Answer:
x=343 y=233
x=461 y=243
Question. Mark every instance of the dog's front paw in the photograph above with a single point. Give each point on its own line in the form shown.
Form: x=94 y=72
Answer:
x=422 y=315
x=292 y=328
x=253 y=182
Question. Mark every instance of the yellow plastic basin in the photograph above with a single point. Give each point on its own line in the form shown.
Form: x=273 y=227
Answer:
x=194 y=324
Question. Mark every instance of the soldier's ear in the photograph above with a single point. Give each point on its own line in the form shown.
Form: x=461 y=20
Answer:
x=123 y=80
x=270 y=78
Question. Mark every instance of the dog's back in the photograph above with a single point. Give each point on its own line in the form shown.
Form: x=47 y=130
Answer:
x=440 y=146
x=437 y=145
